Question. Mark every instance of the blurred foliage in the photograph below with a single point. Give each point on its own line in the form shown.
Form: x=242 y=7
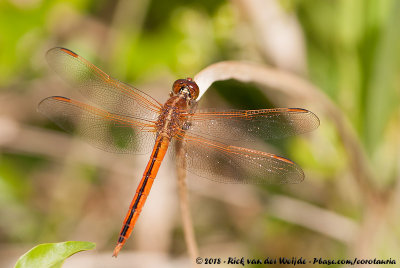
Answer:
x=353 y=55
x=178 y=35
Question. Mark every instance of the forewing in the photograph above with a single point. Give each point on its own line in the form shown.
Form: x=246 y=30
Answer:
x=107 y=131
x=100 y=88
x=239 y=125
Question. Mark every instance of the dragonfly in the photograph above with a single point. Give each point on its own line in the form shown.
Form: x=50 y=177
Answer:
x=124 y=119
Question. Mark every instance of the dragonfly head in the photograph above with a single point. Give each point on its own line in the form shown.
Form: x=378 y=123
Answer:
x=186 y=86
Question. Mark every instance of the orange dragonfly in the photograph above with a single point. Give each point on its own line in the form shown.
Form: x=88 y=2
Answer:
x=130 y=121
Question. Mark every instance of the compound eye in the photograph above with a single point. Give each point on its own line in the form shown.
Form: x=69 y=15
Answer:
x=193 y=88
x=178 y=85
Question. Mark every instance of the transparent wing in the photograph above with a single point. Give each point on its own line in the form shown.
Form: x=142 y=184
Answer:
x=100 y=88
x=238 y=125
x=230 y=164
x=107 y=131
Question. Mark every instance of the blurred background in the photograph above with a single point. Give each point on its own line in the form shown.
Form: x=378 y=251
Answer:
x=341 y=58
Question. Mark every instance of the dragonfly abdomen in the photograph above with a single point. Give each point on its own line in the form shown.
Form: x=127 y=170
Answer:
x=143 y=190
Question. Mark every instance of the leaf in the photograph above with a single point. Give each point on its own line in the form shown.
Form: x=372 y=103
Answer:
x=52 y=255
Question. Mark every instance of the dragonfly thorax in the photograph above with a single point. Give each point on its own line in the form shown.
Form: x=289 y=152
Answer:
x=169 y=121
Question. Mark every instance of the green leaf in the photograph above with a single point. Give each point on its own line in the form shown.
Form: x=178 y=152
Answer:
x=52 y=255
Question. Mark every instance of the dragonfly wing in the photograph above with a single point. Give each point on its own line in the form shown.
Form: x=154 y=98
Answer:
x=239 y=125
x=100 y=88
x=107 y=131
x=230 y=164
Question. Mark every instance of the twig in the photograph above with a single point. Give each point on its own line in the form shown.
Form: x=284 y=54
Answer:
x=187 y=223
x=301 y=90
x=314 y=218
